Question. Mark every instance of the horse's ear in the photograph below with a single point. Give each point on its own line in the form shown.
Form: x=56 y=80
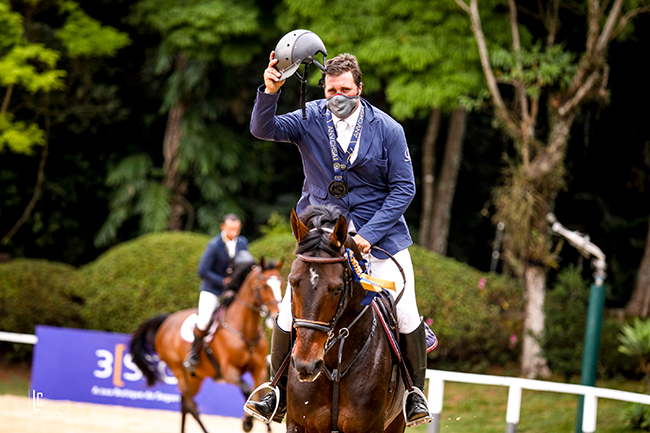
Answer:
x=263 y=262
x=278 y=264
x=299 y=229
x=340 y=232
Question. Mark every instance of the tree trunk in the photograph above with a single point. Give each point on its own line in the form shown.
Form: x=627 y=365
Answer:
x=429 y=177
x=639 y=304
x=171 y=152
x=38 y=187
x=533 y=364
x=446 y=184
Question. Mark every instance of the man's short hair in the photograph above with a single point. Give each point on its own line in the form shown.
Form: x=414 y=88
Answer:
x=231 y=217
x=341 y=64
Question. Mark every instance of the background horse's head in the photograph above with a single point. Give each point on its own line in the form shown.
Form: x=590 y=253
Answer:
x=259 y=284
x=319 y=284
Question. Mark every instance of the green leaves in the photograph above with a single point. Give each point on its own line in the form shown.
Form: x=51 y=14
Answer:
x=19 y=137
x=85 y=37
x=635 y=339
x=197 y=27
x=548 y=67
x=31 y=66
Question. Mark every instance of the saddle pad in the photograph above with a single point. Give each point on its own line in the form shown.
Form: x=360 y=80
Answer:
x=432 y=340
x=187 y=328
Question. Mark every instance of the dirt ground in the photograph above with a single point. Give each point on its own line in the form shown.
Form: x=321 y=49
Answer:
x=18 y=416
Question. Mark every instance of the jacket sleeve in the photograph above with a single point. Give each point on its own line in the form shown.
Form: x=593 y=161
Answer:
x=266 y=125
x=207 y=264
x=401 y=186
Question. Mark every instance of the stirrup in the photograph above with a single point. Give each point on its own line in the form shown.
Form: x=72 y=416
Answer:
x=424 y=419
x=277 y=402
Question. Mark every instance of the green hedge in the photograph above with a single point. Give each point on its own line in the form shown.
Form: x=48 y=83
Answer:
x=152 y=274
x=474 y=313
x=38 y=292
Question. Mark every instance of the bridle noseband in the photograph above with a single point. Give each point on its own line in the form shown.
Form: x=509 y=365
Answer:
x=327 y=327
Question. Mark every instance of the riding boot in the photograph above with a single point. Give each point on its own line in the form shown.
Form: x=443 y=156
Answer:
x=192 y=358
x=263 y=409
x=413 y=347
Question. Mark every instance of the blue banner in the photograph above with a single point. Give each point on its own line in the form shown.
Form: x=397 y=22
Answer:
x=96 y=367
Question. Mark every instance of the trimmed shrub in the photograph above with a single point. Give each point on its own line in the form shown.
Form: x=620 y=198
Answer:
x=37 y=292
x=476 y=316
x=566 y=309
x=152 y=274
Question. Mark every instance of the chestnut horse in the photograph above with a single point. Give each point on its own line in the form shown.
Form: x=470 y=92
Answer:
x=344 y=378
x=238 y=346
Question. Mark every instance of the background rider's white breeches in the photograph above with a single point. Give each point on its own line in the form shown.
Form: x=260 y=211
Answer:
x=408 y=316
x=208 y=302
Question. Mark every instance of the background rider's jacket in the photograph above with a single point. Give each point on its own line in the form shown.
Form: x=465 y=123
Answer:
x=380 y=181
x=214 y=263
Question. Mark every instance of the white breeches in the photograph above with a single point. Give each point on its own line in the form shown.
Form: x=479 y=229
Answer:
x=408 y=317
x=208 y=302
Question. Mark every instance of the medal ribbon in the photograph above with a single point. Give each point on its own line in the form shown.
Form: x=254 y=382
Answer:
x=331 y=132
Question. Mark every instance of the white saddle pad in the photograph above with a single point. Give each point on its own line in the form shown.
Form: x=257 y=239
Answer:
x=187 y=328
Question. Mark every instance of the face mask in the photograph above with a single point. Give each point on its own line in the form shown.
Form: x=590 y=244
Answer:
x=342 y=106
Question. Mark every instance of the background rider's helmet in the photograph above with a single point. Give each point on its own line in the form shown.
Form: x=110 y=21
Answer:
x=298 y=47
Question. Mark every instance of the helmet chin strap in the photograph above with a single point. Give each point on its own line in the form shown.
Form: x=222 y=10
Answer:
x=303 y=90
x=303 y=84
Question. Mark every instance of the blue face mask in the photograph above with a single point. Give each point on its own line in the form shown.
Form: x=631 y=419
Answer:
x=342 y=106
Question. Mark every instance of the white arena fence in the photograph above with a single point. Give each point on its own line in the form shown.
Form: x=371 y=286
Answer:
x=437 y=379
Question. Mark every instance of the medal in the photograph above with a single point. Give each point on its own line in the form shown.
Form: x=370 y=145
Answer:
x=338 y=188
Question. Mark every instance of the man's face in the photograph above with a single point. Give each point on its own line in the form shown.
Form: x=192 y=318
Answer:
x=343 y=84
x=231 y=228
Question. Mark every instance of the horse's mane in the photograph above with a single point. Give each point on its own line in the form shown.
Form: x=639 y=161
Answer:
x=317 y=217
x=238 y=276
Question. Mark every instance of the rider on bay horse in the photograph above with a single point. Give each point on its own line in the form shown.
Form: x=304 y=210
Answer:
x=221 y=255
x=356 y=158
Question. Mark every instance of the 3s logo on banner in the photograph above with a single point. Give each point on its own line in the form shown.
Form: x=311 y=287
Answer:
x=119 y=364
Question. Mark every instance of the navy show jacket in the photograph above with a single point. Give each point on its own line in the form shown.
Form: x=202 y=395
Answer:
x=214 y=263
x=380 y=181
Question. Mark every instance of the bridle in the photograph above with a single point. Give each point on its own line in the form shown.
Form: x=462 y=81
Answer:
x=259 y=306
x=327 y=327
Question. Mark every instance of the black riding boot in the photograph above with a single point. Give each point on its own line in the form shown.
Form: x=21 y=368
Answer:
x=263 y=409
x=192 y=358
x=414 y=352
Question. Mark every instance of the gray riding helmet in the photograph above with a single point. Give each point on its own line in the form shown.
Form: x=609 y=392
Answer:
x=298 y=47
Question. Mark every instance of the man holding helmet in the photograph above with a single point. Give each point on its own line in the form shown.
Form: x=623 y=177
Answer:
x=361 y=165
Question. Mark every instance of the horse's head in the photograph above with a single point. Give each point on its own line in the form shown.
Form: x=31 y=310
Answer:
x=258 y=286
x=320 y=284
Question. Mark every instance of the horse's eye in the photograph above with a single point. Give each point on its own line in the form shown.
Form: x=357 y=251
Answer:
x=337 y=291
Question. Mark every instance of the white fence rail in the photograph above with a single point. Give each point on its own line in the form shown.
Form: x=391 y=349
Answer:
x=18 y=338
x=437 y=379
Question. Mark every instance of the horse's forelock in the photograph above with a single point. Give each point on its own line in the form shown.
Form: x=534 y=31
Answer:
x=317 y=218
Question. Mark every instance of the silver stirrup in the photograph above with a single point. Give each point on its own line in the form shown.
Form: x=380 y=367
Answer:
x=277 y=402
x=424 y=419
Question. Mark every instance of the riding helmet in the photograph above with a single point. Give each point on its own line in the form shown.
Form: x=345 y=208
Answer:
x=298 y=47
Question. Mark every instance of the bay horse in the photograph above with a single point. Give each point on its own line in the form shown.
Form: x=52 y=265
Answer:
x=344 y=378
x=239 y=344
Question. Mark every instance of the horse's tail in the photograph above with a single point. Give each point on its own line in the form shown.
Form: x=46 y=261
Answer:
x=142 y=347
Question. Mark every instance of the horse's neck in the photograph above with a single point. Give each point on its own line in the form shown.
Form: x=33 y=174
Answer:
x=242 y=317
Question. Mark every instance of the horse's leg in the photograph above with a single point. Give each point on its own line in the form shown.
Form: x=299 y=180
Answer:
x=233 y=375
x=189 y=386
